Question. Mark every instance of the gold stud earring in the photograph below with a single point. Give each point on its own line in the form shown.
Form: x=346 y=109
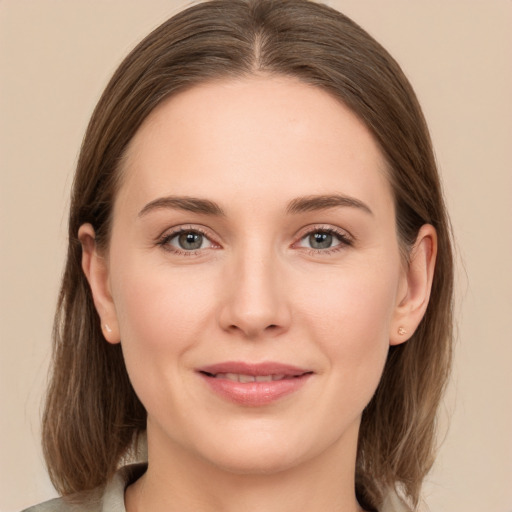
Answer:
x=401 y=331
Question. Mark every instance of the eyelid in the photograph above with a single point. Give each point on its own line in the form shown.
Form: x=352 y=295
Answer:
x=170 y=233
x=346 y=239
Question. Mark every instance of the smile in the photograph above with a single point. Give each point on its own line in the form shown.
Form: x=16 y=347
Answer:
x=237 y=377
x=253 y=385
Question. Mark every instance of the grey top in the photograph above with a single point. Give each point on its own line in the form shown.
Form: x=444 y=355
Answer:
x=105 y=499
x=111 y=497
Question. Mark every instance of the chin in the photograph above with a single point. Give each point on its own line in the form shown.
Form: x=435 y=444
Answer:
x=265 y=461
x=261 y=451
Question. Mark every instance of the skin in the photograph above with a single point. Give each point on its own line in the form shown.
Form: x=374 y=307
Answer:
x=255 y=291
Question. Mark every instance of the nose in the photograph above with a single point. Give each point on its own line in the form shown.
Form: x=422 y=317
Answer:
x=254 y=303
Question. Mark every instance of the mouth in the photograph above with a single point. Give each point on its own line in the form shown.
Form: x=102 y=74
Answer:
x=240 y=377
x=253 y=384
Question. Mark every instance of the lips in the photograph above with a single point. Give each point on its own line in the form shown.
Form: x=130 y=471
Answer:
x=240 y=377
x=253 y=384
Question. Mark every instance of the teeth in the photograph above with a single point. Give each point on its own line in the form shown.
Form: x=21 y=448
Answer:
x=264 y=378
x=236 y=377
x=246 y=378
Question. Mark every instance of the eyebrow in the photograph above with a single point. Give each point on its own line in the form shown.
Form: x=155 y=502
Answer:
x=324 y=202
x=189 y=204
x=297 y=205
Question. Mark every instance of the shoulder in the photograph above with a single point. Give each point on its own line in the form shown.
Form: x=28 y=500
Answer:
x=89 y=504
x=105 y=499
x=393 y=503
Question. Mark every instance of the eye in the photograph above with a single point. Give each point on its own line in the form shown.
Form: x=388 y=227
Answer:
x=323 y=239
x=186 y=240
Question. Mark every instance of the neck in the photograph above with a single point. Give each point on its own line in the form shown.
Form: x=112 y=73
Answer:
x=178 y=481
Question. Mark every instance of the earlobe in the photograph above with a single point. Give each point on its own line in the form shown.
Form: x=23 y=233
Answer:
x=95 y=268
x=418 y=276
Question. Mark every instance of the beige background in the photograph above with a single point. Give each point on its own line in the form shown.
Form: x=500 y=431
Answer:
x=55 y=58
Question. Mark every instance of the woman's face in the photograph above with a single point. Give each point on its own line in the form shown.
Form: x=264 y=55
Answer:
x=254 y=274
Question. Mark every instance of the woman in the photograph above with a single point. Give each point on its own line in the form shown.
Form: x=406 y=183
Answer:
x=255 y=223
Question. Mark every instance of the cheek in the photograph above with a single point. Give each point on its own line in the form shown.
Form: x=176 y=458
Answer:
x=160 y=313
x=354 y=301
x=151 y=298
x=350 y=315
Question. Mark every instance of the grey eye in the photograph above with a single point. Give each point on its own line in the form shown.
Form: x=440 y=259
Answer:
x=324 y=239
x=320 y=240
x=189 y=241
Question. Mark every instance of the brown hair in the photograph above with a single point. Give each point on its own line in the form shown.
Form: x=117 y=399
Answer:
x=92 y=414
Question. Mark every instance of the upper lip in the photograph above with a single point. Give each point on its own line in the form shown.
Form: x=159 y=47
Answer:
x=256 y=369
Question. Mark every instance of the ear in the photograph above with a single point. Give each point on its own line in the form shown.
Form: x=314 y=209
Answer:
x=95 y=267
x=415 y=286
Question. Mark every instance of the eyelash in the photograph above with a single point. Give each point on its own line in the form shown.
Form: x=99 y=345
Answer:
x=165 y=239
x=344 y=239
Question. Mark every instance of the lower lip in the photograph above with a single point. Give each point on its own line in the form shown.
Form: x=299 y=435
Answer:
x=255 y=394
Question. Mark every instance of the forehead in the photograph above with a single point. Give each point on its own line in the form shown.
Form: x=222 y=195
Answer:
x=254 y=133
